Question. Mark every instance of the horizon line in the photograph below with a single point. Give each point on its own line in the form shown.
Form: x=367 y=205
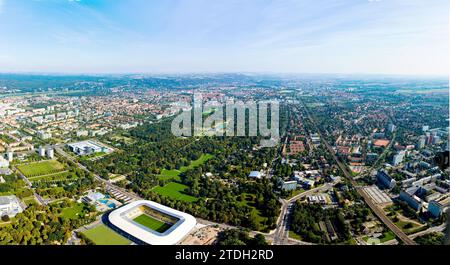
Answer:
x=50 y=73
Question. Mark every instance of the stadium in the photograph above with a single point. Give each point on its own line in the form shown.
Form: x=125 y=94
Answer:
x=152 y=223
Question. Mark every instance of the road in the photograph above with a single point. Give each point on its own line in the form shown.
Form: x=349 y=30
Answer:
x=281 y=234
x=378 y=212
x=109 y=186
x=30 y=186
x=375 y=164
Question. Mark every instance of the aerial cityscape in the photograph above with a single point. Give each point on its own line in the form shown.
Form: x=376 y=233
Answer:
x=204 y=154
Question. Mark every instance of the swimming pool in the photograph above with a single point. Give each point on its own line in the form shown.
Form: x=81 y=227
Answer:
x=107 y=203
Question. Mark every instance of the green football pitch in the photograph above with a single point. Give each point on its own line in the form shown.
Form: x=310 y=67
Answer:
x=152 y=223
x=41 y=168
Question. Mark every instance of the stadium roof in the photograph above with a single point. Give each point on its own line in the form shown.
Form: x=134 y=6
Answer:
x=170 y=237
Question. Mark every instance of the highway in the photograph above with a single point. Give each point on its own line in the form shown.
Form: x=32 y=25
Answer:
x=378 y=212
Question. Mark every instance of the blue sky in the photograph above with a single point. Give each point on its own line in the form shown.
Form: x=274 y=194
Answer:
x=293 y=36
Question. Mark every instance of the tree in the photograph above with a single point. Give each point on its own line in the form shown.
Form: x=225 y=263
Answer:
x=5 y=218
x=259 y=240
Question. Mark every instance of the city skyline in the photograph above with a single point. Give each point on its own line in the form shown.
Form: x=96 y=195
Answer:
x=344 y=37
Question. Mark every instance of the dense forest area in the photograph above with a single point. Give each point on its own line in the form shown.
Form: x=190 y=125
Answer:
x=155 y=150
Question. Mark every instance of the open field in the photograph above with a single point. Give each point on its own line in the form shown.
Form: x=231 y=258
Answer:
x=40 y=168
x=175 y=191
x=103 y=235
x=29 y=200
x=72 y=212
x=175 y=174
x=152 y=223
x=410 y=227
x=293 y=235
x=387 y=236
x=51 y=177
x=249 y=201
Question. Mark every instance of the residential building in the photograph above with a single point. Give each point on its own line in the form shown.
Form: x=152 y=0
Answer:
x=435 y=209
x=385 y=180
x=410 y=196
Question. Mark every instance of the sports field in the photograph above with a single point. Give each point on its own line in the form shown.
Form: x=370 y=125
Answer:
x=175 y=191
x=41 y=168
x=152 y=223
x=103 y=235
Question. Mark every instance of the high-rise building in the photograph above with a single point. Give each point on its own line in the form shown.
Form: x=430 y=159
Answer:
x=429 y=138
x=50 y=153
x=435 y=208
x=398 y=158
x=422 y=141
x=386 y=180
x=436 y=140
x=41 y=151
x=391 y=128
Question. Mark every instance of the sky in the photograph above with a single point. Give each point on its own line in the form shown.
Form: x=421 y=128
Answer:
x=404 y=37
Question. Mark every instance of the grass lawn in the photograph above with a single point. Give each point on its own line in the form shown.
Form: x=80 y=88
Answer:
x=102 y=235
x=152 y=223
x=293 y=235
x=51 y=177
x=197 y=162
x=175 y=174
x=72 y=212
x=175 y=191
x=249 y=201
x=172 y=174
x=41 y=168
x=387 y=236
x=297 y=192
x=29 y=200
x=411 y=230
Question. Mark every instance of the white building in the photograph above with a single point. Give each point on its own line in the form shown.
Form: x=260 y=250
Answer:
x=50 y=153
x=398 y=158
x=88 y=147
x=82 y=133
x=181 y=223
x=3 y=162
x=44 y=135
x=10 y=155
x=41 y=151
x=10 y=206
x=255 y=174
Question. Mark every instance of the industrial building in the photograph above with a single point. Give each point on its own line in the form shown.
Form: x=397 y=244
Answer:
x=88 y=148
